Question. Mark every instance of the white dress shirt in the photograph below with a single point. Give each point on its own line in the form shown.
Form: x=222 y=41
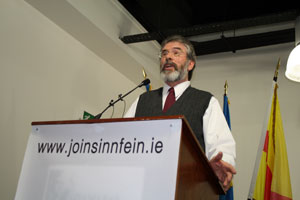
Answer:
x=217 y=135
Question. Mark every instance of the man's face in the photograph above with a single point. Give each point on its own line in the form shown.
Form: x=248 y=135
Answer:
x=174 y=64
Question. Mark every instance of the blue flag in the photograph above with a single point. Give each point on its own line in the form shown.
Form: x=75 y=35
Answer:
x=148 y=87
x=226 y=110
x=229 y=194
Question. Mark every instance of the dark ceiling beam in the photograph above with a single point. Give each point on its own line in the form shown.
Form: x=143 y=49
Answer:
x=232 y=44
x=134 y=6
x=214 y=27
x=143 y=11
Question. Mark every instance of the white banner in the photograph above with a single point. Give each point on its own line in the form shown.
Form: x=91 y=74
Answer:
x=116 y=160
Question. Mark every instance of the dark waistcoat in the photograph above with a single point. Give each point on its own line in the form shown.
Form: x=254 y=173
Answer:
x=192 y=104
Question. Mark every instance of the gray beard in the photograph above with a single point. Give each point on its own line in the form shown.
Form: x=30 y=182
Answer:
x=176 y=75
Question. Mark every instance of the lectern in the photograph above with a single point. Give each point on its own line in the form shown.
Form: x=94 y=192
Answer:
x=129 y=158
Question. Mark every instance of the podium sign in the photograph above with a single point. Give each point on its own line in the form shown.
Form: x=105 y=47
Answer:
x=108 y=160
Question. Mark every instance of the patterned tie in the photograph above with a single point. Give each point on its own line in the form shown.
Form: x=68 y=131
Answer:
x=170 y=99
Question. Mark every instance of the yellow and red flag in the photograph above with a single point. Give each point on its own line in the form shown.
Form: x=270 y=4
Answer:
x=273 y=177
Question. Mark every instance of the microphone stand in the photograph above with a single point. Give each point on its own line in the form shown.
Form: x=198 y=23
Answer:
x=120 y=98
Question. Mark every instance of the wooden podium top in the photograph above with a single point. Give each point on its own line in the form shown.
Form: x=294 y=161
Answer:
x=90 y=121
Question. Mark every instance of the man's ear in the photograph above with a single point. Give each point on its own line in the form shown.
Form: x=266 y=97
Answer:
x=191 y=65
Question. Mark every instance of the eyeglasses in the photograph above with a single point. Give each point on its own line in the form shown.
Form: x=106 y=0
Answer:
x=173 y=52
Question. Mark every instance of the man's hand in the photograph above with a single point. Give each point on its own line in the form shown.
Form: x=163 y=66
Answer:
x=223 y=170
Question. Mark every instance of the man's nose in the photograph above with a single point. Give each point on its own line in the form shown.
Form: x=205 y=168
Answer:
x=169 y=57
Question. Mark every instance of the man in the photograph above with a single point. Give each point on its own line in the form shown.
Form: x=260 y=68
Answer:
x=201 y=109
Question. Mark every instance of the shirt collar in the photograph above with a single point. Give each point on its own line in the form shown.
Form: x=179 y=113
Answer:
x=179 y=89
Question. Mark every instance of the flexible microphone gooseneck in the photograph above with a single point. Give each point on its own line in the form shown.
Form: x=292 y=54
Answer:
x=112 y=103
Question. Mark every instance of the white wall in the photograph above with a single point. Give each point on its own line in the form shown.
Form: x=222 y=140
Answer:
x=52 y=70
x=249 y=74
x=98 y=26
x=46 y=74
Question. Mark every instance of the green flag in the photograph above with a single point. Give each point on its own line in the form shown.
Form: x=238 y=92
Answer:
x=87 y=115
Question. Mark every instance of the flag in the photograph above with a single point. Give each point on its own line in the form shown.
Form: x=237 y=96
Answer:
x=87 y=115
x=273 y=177
x=229 y=193
x=148 y=87
x=226 y=110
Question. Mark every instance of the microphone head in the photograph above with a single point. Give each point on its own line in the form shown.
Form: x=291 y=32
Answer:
x=144 y=82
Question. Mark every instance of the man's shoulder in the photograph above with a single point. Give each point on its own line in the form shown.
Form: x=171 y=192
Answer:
x=199 y=92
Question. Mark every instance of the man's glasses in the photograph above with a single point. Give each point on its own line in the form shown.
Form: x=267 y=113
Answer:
x=173 y=52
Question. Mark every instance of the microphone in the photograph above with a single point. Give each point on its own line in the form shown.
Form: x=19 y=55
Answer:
x=112 y=103
x=144 y=82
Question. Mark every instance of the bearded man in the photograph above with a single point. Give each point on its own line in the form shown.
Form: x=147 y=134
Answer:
x=200 y=108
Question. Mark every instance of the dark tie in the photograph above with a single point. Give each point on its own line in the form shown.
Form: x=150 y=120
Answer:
x=170 y=99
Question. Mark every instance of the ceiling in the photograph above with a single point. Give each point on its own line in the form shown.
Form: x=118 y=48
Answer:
x=212 y=26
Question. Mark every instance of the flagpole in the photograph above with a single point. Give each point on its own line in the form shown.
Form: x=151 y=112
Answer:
x=144 y=73
x=276 y=71
x=263 y=135
x=225 y=88
x=229 y=194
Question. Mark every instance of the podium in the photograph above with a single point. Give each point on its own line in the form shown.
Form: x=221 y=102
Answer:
x=128 y=158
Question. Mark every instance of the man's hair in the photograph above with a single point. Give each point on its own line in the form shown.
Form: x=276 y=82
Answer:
x=191 y=55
